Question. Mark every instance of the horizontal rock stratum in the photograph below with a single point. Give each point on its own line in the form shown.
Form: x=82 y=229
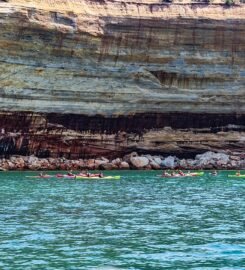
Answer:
x=85 y=78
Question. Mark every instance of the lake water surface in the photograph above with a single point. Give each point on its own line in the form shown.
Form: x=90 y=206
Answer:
x=138 y=222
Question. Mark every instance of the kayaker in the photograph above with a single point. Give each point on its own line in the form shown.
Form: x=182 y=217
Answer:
x=42 y=175
x=165 y=174
x=214 y=173
x=82 y=173
x=181 y=173
x=101 y=175
x=70 y=173
x=238 y=173
x=172 y=173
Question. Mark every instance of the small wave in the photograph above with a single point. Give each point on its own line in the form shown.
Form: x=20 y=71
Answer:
x=106 y=268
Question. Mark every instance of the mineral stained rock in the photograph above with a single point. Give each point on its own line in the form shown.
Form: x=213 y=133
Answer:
x=84 y=78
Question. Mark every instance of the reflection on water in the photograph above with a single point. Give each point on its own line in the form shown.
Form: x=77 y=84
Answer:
x=138 y=222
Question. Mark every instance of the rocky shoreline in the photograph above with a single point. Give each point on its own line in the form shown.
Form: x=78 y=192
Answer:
x=208 y=160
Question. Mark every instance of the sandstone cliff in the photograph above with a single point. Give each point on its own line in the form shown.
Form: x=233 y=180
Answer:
x=85 y=78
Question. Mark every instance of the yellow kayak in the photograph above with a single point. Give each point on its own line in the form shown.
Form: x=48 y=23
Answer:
x=237 y=176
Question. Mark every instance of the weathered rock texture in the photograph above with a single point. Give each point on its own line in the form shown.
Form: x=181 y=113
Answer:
x=208 y=160
x=86 y=78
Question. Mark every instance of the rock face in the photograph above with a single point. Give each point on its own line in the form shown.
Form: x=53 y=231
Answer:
x=103 y=78
x=208 y=160
x=139 y=162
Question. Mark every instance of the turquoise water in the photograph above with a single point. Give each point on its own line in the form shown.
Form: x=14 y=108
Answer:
x=138 y=222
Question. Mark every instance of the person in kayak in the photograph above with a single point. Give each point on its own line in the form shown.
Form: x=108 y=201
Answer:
x=101 y=175
x=181 y=173
x=166 y=174
x=238 y=173
x=83 y=173
x=214 y=173
x=88 y=174
x=43 y=175
x=172 y=173
x=70 y=173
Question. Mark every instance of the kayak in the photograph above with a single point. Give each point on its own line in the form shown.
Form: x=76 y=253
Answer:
x=186 y=175
x=172 y=176
x=41 y=177
x=237 y=176
x=65 y=176
x=116 y=177
x=195 y=174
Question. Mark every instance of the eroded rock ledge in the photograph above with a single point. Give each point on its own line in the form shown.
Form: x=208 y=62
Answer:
x=79 y=136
